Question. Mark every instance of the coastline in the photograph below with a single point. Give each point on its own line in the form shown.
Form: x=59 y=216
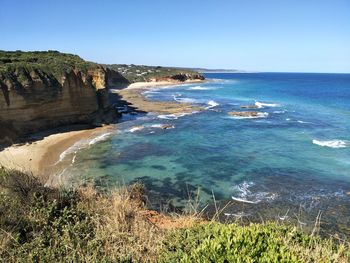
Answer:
x=39 y=157
x=133 y=95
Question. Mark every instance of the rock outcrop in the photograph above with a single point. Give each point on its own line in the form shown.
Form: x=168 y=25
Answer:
x=41 y=90
x=181 y=77
x=33 y=99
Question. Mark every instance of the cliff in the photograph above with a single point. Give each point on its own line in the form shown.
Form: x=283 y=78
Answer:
x=142 y=73
x=43 y=90
x=46 y=89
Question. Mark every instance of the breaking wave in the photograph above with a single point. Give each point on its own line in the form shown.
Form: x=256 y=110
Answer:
x=212 y=104
x=263 y=105
x=201 y=88
x=259 y=115
x=244 y=194
x=100 y=138
x=174 y=116
x=331 y=143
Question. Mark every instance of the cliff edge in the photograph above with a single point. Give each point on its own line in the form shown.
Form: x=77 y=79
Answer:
x=47 y=89
x=43 y=90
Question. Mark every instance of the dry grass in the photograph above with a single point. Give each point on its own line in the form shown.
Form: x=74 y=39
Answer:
x=44 y=224
x=41 y=224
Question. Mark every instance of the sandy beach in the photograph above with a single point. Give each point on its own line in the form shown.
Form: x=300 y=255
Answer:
x=39 y=157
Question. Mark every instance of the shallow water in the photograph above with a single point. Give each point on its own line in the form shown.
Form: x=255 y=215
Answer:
x=295 y=155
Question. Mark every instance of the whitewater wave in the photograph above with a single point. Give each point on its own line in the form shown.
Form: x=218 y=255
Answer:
x=100 y=138
x=162 y=126
x=263 y=105
x=201 y=88
x=185 y=100
x=175 y=116
x=244 y=194
x=136 y=128
x=158 y=125
x=259 y=115
x=71 y=150
x=81 y=145
x=331 y=143
x=212 y=104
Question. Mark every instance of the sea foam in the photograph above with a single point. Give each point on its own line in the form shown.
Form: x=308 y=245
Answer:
x=185 y=100
x=174 y=116
x=331 y=143
x=245 y=195
x=136 y=128
x=212 y=104
x=100 y=138
x=259 y=115
x=262 y=104
x=201 y=88
x=81 y=145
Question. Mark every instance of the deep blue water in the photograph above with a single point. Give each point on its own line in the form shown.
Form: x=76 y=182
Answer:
x=295 y=155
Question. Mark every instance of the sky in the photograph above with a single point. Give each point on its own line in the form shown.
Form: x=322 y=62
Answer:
x=254 y=35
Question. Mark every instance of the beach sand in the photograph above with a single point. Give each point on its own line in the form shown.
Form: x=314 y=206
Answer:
x=39 y=157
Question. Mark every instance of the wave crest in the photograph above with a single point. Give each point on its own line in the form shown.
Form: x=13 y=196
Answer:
x=201 y=88
x=245 y=195
x=331 y=143
x=263 y=105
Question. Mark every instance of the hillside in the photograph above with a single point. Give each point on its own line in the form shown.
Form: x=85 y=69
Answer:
x=142 y=73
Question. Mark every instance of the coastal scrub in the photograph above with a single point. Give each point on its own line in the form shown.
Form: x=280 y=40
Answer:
x=43 y=224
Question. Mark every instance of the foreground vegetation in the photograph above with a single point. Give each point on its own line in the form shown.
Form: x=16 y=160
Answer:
x=41 y=224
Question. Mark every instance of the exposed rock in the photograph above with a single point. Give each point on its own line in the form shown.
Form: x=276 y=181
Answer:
x=34 y=99
x=245 y=113
x=181 y=77
x=249 y=107
x=167 y=126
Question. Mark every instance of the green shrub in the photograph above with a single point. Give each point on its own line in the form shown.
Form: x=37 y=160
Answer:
x=269 y=242
x=42 y=224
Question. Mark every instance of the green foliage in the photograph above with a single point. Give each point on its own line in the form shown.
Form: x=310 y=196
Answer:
x=51 y=62
x=137 y=73
x=269 y=242
x=42 y=224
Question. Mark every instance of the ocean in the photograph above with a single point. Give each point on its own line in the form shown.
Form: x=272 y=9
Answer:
x=291 y=161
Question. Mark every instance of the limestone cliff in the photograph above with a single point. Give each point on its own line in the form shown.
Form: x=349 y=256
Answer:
x=46 y=89
x=37 y=96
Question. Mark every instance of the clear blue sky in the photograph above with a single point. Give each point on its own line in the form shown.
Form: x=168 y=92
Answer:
x=261 y=35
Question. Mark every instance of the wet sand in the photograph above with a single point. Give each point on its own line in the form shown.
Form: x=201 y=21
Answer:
x=39 y=157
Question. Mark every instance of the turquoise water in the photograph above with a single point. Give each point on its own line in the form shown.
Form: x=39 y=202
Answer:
x=295 y=155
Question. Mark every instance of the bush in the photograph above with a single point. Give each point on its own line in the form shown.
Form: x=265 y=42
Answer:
x=40 y=224
x=269 y=242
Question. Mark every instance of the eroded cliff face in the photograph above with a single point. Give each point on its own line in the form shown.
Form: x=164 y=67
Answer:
x=33 y=100
x=181 y=77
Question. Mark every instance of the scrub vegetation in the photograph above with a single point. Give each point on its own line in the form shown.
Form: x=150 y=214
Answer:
x=43 y=224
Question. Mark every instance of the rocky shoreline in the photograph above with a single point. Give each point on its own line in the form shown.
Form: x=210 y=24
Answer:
x=132 y=97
